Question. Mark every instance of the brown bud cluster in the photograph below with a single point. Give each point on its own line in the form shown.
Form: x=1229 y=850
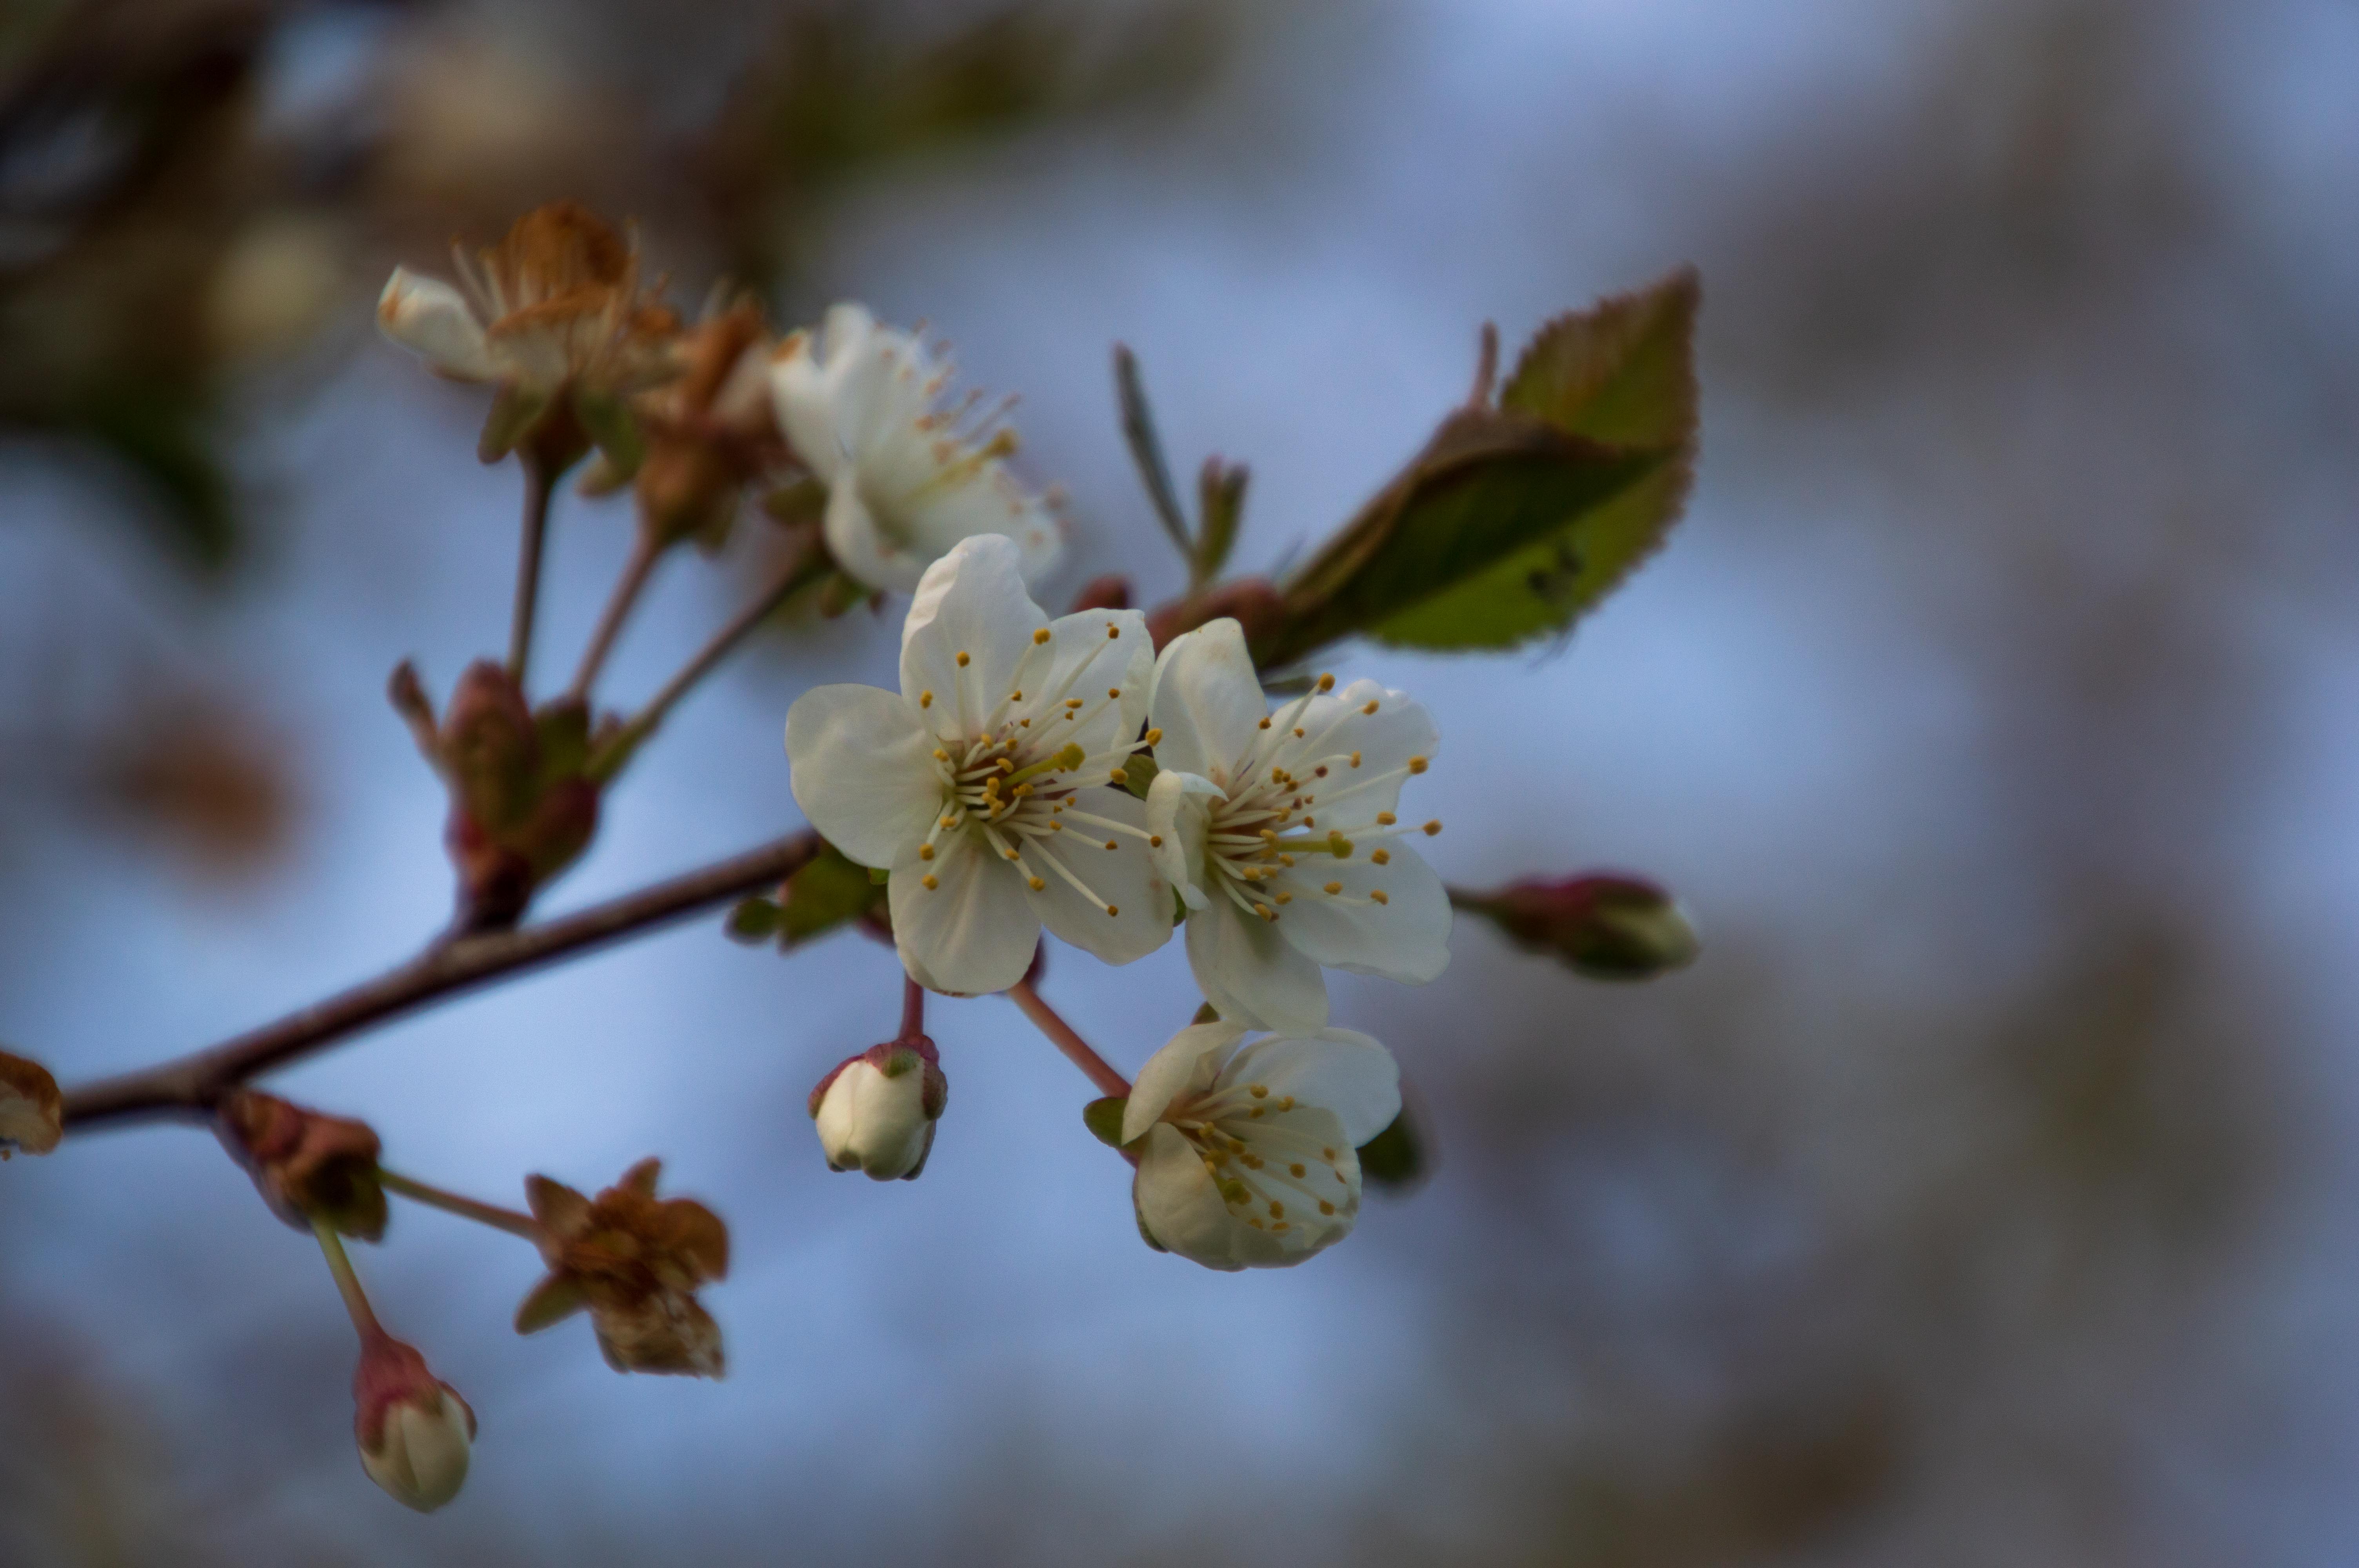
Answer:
x=636 y=1261
x=522 y=805
x=32 y=1112
x=308 y=1165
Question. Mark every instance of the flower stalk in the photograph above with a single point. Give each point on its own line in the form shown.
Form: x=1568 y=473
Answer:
x=498 y=1219
x=1066 y=1039
x=539 y=485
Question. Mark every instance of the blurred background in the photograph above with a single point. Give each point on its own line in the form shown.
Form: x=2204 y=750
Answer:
x=1985 y=1194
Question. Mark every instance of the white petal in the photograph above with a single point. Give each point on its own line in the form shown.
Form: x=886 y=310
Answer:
x=1251 y=974
x=1339 y=1070
x=1081 y=660
x=1407 y=938
x=1188 y=1064
x=971 y=602
x=1178 y=812
x=1337 y=726
x=1207 y=701
x=1124 y=876
x=1180 y=1205
x=972 y=933
x=861 y=769
x=431 y=320
x=861 y=546
x=805 y=408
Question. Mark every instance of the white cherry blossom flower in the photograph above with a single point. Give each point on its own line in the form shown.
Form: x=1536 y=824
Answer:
x=1281 y=832
x=984 y=787
x=906 y=476
x=1250 y=1158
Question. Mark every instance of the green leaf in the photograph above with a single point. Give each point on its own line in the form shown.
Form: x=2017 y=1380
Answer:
x=1395 y=1158
x=754 y=920
x=608 y=420
x=1138 y=771
x=1104 y=1118
x=1519 y=517
x=1221 y=508
x=563 y=729
x=828 y=891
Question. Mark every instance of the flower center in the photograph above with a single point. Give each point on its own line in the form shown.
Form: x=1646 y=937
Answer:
x=1272 y=1173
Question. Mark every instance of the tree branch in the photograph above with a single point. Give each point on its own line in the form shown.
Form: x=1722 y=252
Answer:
x=190 y=1085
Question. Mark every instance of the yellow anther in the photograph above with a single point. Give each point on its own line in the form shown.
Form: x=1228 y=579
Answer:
x=1334 y=886
x=1265 y=912
x=1117 y=776
x=1417 y=765
x=1385 y=819
x=1370 y=708
x=1282 y=1225
x=1337 y=845
x=1014 y=854
x=1023 y=724
x=1256 y=1115
x=1379 y=894
x=1253 y=1161
x=1072 y=702
x=1014 y=696
x=1381 y=857
x=1040 y=636
x=1154 y=841
x=1328 y=1155
x=1355 y=759
x=1288 y=1104
x=1155 y=737
x=1277 y=1209
x=1264 y=720
x=1319 y=772
x=1433 y=828
x=1114 y=691
x=962 y=660
x=1299 y=1172
x=1326 y=1207
x=1287 y=860
x=1037 y=883
x=1025 y=789
x=941 y=755
x=1112 y=631
x=1326 y=683
x=1270 y=835
x=1055 y=825
x=925 y=852
x=1109 y=843
x=927 y=882
x=925 y=700
x=1112 y=909
x=1260 y=1091
x=1299 y=732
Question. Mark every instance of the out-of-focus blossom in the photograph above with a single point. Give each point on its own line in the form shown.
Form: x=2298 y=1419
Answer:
x=636 y=1261
x=982 y=788
x=908 y=475
x=710 y=432
x=876 y=1110
x=1249 y=1157
x=416 y=1434
x=308 y=1165
x=32 y=1111
x=1279 y=832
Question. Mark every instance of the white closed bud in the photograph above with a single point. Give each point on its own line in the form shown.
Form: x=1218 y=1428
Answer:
x=415 y=1433
x=876 y=1112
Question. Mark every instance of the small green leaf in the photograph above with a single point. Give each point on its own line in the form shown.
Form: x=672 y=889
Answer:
x=608 y=420
x=1220 y=507
x=798 y=501
x=878 y=876
x=1395 y=1158
x=1519 y=517
x=755 y=921
x=1138 y=771
x=1104 y=1118
x=828 y=891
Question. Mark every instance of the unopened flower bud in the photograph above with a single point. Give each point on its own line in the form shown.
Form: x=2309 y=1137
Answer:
x=32 y=1112
x=415 y=1430
x=1111 y=591
x=307 y=1165
x=1608 y=927
x=876 y=1112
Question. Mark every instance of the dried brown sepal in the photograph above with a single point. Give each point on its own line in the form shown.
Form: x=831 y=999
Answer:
x=306 y=1164
x=636 y=1261
x=32 y=1112
x=710 y=433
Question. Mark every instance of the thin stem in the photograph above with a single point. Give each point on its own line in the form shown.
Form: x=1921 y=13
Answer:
x=498 y=1219
x=1147 y=449
x=1060 y=1033
x=913 y=1009
x=807 y=564
x=348 y=1283
x=539 y=485
x=645 y=553
x=186 y=1086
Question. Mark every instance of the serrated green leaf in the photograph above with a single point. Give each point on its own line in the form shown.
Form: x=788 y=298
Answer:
x=1517 y=518
x=1138 y=771
x=1395 y=1158
x=1104 y=1118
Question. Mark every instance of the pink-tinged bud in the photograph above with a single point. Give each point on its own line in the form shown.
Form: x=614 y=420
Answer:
x=307 y=1165
x=32 y=1112
x=1253 y=602
x=876 y=1112
x=1609 y=927
x=1111 y=591
x=415 y=1432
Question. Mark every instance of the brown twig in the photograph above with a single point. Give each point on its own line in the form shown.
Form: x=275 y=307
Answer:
x=189 y=1085
x=646 y=551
